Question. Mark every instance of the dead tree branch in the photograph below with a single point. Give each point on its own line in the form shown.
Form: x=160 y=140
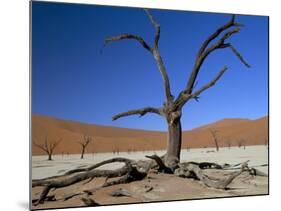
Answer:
x=84 y=144
x=157 y=28
x=128 y=36
x=205 y=51
x=195 y=95
x=130 y=172
x=141 y=112
x=48 y=147
x=215 y=138
x=155 y=52
x=192 y=170
x=161 y=166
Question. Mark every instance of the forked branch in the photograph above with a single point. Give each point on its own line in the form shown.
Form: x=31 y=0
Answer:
x=185 y=97
x=156 y=26
x=213 y=36
x=154 y=51
x=128 y=36
x=210 y=84
x=86 y=141
x=84 y=144
x=48 y=147
x=204 y=52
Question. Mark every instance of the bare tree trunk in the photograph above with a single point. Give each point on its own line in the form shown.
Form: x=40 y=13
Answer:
x=174 y=144
x=82 y=153
x=217 y=146
x=172 y=105
x=50 y=156
x=48 y=147
x=84 y=144
x=215 y=138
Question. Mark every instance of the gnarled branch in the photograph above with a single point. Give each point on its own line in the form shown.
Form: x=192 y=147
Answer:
x=84 y=144
x=48 y=147
x=130 y=172
x=210 y=84
x=141 y=112
x=213 y=36
x=234 y=50
x=86 y=141
x=158 y=57
x=162 y=167
x=156 y=26
x=128 y=36
x=155 y=52
x=184 y=97
x=203 y=53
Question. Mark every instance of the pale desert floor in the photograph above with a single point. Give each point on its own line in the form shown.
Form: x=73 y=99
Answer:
x=164 y=187
x=42 y=168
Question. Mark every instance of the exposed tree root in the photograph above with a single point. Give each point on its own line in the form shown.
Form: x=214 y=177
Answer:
x=161 y=166
x=207 y=165
x=69 y=196
x=130 y=172
x=90 y=202
x=193 y=169
x=121 y=192
x=134 y=171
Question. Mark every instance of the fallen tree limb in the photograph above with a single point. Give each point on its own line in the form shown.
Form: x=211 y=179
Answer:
x=161 y=166
x=89 y=202
x=220 y=183
x=134 y=171
x=130 y=170
x=41 y=182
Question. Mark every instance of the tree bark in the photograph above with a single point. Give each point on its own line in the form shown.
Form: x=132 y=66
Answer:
x=82 y=153
x=49 y=156
x=174 y=144
x=172 y=107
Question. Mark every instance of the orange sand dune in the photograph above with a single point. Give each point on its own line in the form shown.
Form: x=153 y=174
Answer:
x=108 y=139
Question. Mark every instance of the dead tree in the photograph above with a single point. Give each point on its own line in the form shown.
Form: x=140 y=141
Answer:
x=215 y=138
x=266 y=142
x=48 y=146
x=228 y=144
x=171 y=110
x=84 y=144
x=240 y=143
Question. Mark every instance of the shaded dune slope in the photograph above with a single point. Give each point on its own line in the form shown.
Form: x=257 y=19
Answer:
x=109 y=139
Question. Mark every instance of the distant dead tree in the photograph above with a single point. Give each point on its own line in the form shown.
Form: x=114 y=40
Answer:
x=241 y=142
x=215 y=138
x=266 y=142
x=171 y=109
x=48 y=146
x=116 y=150
x=84 y=144
x=228 y=143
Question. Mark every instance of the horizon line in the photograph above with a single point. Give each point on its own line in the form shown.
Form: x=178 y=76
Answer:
x=184 y=130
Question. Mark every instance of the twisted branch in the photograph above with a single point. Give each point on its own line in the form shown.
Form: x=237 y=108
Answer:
x=141 y=112
x=203 y=53
x=155 y=52
x=48 y=147
x=156 y=26
x=185 y=97
x=128 y=36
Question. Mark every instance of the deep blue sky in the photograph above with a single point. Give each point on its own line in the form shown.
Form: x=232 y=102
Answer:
x=72 y=80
